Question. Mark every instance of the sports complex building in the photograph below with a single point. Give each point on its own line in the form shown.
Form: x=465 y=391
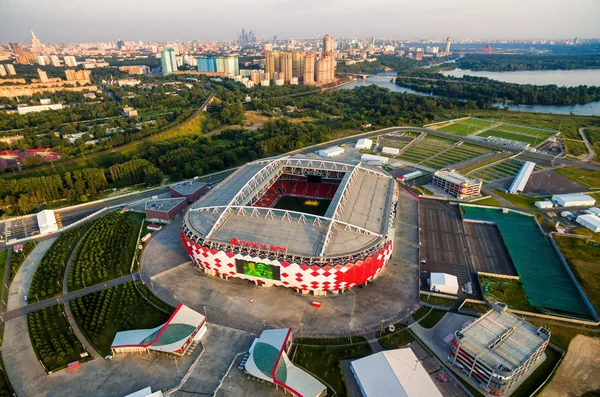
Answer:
x=311 y=225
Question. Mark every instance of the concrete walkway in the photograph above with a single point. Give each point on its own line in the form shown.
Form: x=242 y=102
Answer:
x=588 y=145
x=4 y=296
x=22 y=281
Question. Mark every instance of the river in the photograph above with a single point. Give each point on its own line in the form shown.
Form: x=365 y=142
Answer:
x=589 y=109
x=563 y=78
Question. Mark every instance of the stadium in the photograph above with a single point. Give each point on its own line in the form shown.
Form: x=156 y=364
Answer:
x=313 y=225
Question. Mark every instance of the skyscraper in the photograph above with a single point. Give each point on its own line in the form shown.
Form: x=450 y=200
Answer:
x=447 y=49
x=327 y=44
x=43 y=76
x=298 y=64
x=286 y=66
x=207 y=64
x=54 y=60
x=10 y=69
x=2 y=70
x=70 y=61
x=168 y=61
x=36 y=44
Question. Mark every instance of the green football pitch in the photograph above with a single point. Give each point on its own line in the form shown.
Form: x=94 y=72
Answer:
x=305 y=205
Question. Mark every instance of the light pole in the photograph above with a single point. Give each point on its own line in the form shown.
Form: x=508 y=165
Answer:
x=204 y=306
x=301 y=326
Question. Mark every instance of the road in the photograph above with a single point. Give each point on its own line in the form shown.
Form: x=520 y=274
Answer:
x=590 y=149
x=32 y=307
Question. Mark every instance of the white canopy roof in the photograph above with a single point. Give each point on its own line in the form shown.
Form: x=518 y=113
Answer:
x=396 y=373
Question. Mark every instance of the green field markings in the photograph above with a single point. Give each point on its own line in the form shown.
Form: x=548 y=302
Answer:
x=501 y=170
x=526 y=130
x=467 y=126
x=515 y=137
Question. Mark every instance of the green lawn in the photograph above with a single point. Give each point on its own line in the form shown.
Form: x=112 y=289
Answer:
x=520 y=129
x=392 y=143
x=420 y=313
x=324 y=360
x=432 y=318
x=533 y=141
x=508 y=291
x=475 y=306
x=466 y=127
x=588 y=178
x=583 y=259
x=17 y=259
x=3 y=255
x=505 y=169
x=396 y=340
x=437 y=300
x=576 y=148
x=519 y=200
x=102 y=314
x=483 y=163
x=492 y=202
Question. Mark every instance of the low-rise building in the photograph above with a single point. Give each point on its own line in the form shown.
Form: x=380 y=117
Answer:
x=191 y=190
x=590 y=221
x=508 y=142
x=573 y=200
x=364 y=143
x=457 y=185
x=39 y=108
x=498 y=348
x=392 y=151
x=544 y=204
x=331 y=151
x=173 y=337
x=268 y=360
x=393 y=373
x=165 y=210
x=373 y=159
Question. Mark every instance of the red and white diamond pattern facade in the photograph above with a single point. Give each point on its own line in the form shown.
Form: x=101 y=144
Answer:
x=300 y=276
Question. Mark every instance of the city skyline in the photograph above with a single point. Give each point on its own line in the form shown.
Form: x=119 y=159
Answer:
x=187 y=20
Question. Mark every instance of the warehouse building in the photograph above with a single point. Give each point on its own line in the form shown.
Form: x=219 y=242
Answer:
x=457 y=185
x=173 y=337
x=165 y=210
x=573 y=200
x=330 y=151
x=544 y=204
x=522 y=178
x=364 y=143
x=191 y=190
x=393 y=373
x=268 y=360
x=498 y=349
x=592 y=222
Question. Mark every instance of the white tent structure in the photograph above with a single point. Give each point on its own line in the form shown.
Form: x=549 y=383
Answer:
x=46 y=221
x=573 y=200
x=397 y=373
x=592 y=222
x=364 y=143
x=392 y=151
x=330 y=151
x=444 y=283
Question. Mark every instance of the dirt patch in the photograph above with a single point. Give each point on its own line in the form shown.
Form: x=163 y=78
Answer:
x=578 y=373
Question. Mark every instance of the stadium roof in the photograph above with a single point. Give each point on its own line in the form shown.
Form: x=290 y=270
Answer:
x=393 y=373
x=522 y=178
x=268 y=360
x=169 y=337
x=357 y=218
x=501 y=338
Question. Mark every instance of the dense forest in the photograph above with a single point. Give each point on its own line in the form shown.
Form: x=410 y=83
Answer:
x=382 y=62
x=486 y=91
x=513 y=62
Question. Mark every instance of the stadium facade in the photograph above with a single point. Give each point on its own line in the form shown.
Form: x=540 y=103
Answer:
x=236 y=229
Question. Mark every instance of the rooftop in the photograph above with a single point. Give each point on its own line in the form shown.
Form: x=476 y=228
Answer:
x=164 y=205
x=502 y=338
x=188 y=187
x=454 y=177
x=393 y=373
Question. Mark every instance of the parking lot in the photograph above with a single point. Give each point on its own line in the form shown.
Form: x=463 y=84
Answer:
x=489 y=253
x=548 y=182
x=444 y=245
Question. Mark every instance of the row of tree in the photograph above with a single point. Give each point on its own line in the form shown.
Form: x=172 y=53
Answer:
x=513 y=62
x=486 y=91
x=27 y=194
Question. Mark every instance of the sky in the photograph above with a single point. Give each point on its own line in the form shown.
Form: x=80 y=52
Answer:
x=167 y=20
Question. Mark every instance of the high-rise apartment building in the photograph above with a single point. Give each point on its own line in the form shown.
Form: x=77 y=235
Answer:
x=70 y=61
x=81 y=76
x=168 y=61
x=10 y=69
x=447 y=49
x=309 y=68
x=54 y=61
x=255 y=76
x=298 y=64
x=2 y=70
x=326 y=69
x=286 y=66
x=207 y=64
x=41 y=60
x=43 y=76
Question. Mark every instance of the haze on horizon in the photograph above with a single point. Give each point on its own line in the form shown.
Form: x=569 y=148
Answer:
x=160 y=20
